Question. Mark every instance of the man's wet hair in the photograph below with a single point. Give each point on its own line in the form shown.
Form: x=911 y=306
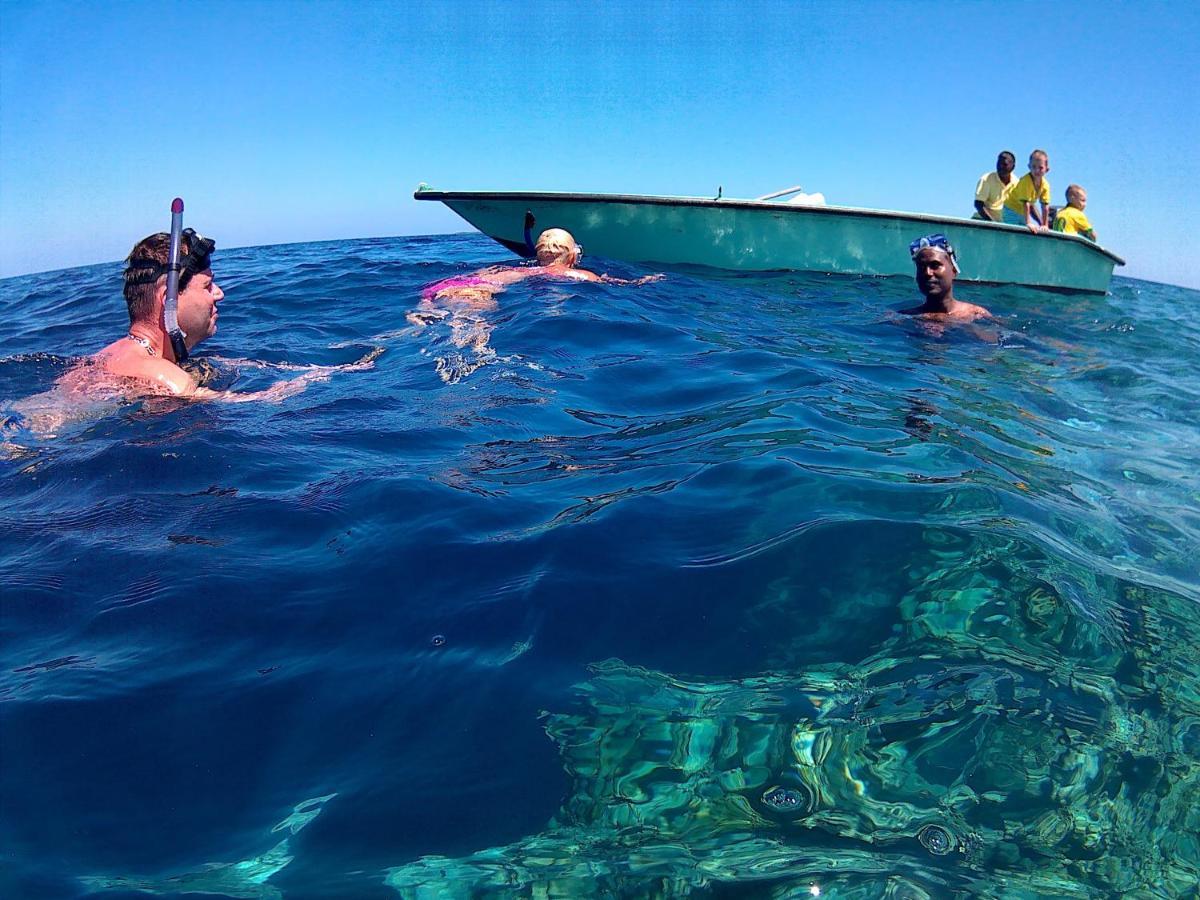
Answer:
x=1011 y=156
x=147 y=262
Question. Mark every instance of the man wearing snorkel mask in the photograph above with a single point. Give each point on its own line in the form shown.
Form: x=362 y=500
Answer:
x=937 y=264
x=147 y=357
x=144 y=362
x=146 y=352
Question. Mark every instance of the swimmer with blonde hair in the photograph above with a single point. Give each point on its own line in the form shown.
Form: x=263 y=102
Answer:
x=463 y=298
x=557 y=254
x=556 y=247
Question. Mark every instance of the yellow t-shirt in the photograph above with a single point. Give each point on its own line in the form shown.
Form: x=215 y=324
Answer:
x=992 y=192
x=1025 y=192
x=1071 y=221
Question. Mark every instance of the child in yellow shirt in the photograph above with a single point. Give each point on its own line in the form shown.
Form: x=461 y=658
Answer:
x=1033 y=188
x=1070 y=219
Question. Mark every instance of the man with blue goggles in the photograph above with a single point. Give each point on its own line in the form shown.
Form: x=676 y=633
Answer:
x=937 y=264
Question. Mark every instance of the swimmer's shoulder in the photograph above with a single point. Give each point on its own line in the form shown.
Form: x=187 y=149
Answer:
x=965 y=311
x=503 y=275
x=168 y=376
x=581 y=275
x=492 y=271
x=159 y=375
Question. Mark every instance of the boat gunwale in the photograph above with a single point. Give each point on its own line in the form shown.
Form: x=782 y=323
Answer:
x=565 y=196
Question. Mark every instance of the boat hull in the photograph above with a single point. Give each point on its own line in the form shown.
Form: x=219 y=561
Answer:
x=757 y=236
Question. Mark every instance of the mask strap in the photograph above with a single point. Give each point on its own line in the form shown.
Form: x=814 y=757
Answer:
x=171 y=307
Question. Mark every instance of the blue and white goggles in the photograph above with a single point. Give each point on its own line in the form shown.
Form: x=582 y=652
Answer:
x=937 y=242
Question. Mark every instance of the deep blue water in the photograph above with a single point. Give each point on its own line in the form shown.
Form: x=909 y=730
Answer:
x=572 y=613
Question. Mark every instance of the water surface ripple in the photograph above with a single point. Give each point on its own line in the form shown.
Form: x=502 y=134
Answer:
x=717 y=584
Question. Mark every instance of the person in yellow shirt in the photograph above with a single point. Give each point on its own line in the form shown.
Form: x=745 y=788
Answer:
x=994 y=188
x=1070 y=219
x=1031 y=191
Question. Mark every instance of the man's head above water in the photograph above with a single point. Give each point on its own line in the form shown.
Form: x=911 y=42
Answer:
x=143 y=361
x=146 y=284
x=937 y=264
x=146 y=268
x=935 y=273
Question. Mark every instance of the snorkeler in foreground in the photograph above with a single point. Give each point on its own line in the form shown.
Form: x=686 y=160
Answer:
x=172 y=308
x=937 y=265
x=172 y=299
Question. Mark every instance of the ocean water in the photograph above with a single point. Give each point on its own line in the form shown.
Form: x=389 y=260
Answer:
x=714 y=586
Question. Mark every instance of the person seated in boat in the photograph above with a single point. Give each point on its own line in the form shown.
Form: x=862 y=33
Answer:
x=994 y=187
x=558 y=256
x=1070 y=219
x=1031 y=192
x=937 y=264
x=145 y=361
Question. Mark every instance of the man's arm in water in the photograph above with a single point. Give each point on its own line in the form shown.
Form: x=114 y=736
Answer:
x=276 y=392
x=645 y=279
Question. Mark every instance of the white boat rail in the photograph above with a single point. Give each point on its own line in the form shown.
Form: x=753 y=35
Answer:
x=792 y=190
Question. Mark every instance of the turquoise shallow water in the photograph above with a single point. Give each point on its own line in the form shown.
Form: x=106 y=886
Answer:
x=714 y=586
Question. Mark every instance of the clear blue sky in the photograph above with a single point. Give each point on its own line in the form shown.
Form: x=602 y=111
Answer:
x=289 y=121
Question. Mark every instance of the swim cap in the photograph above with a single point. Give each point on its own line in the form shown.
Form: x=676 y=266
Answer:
x=937 y=242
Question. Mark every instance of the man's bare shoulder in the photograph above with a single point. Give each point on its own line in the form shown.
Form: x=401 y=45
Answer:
x=969 y=312
x=962 y=312
x=581 y=275
x=508 y=274
x=128 y=361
